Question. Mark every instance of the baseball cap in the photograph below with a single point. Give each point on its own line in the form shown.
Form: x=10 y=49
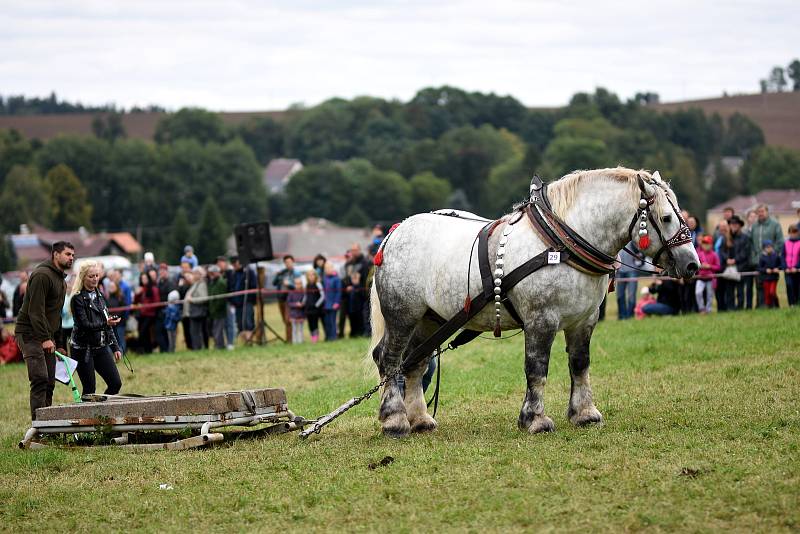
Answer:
x=188 y=248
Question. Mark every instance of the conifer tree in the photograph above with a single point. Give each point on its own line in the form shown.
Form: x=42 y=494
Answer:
x=212 y=233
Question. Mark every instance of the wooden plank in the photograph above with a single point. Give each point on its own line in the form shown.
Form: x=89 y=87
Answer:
x=168 y=405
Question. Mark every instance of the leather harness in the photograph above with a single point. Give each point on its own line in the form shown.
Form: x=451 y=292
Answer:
x=569 y=246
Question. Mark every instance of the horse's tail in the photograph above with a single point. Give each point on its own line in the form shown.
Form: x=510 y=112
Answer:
x=377 y=323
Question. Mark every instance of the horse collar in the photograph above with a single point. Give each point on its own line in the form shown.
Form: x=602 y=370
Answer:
x=559 y=236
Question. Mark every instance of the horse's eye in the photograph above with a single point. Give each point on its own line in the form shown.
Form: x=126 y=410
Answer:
x=666 y=218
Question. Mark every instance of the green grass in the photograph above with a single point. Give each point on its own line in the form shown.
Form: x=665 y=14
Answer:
x=702 y=431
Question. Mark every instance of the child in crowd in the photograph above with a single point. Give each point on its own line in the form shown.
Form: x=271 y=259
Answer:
x=296 y=303
x=315 y=299
x=647 y=298
x=172 y=316
x=769 y=265
x=709 y=265
x=791 y=264
x=332 y=285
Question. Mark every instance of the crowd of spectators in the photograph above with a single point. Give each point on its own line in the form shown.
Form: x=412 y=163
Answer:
x=741 y=262
x=213 y=305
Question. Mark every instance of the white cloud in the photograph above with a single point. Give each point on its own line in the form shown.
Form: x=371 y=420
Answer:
x=267 y=55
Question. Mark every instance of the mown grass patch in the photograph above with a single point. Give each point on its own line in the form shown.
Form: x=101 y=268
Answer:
x=701 y=433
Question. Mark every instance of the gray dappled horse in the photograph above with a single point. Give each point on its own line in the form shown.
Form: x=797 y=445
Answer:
x=426 y=265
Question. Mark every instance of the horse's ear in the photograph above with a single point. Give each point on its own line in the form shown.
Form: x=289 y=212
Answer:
x=646 y=189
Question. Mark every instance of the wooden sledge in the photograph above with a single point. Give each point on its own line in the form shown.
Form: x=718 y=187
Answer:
x=124 y=414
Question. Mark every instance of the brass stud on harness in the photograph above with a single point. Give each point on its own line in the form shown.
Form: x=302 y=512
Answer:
x=499 y=263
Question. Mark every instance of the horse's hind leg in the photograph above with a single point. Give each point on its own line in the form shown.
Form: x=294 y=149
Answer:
x=392 y=413
x=539 y=337
x=581 y=410
x=416 y=407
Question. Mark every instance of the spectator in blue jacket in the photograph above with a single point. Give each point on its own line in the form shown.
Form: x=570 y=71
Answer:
x=332 y=286
x=240 y=279
x=626 y=280
x=189 y=257
x=172 y=318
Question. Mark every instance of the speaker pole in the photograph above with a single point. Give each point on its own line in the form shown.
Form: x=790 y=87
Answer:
x=262 y=325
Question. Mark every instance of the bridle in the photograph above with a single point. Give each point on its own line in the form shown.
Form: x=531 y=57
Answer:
x=644 y=215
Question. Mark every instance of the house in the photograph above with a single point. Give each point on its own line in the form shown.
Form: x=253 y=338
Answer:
x=32 y=245
x=317 y=236
x=278 y=173
x=783 y=205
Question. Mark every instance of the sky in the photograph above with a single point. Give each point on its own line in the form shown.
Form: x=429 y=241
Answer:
x=268 y=55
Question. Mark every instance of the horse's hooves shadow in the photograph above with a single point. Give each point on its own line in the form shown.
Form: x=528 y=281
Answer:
x=396 y=433
x=424 y=426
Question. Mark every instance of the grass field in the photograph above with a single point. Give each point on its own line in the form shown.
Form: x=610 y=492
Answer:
x=701 y=434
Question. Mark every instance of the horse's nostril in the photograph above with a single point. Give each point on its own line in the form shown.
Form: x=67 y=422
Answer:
x=691 y=268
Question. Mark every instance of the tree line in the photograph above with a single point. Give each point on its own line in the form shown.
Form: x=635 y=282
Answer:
x=22 y=105
x=366 y=160
x=776 y=81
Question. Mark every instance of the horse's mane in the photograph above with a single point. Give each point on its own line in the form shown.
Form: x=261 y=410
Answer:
x=564 y=191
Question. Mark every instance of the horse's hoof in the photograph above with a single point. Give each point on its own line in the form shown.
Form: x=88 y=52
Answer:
x=426 y=424
x=396 y=432
x=540 y=424
x=396 y=426
x=587 y=416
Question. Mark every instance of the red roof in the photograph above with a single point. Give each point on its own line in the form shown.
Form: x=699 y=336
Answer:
x=35 y=246
x=126 y=242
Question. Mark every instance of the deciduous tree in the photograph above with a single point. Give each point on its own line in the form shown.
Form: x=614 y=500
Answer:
x=773 y=167
x=794 y=74
x=191 y=123
x=429 y=192
x=25 y=199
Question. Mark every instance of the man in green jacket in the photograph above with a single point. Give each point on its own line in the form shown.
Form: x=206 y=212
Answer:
x=765 y=228
x=39 y=323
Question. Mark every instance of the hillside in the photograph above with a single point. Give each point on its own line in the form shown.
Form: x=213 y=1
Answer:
x=137 y=125
x=778 y=114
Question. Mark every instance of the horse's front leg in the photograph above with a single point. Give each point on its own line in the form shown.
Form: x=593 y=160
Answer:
x=581 y=409
x=539 y=337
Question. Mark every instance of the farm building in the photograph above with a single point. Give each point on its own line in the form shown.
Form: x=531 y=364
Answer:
x=32 y=245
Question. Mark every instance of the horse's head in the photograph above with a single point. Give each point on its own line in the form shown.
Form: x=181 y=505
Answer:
x=661 y=231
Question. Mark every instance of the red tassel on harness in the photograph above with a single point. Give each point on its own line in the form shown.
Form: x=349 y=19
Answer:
x=497 y=331
x=612 y=285
x=378 y=259
x=467 y=304
x=644 y=242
